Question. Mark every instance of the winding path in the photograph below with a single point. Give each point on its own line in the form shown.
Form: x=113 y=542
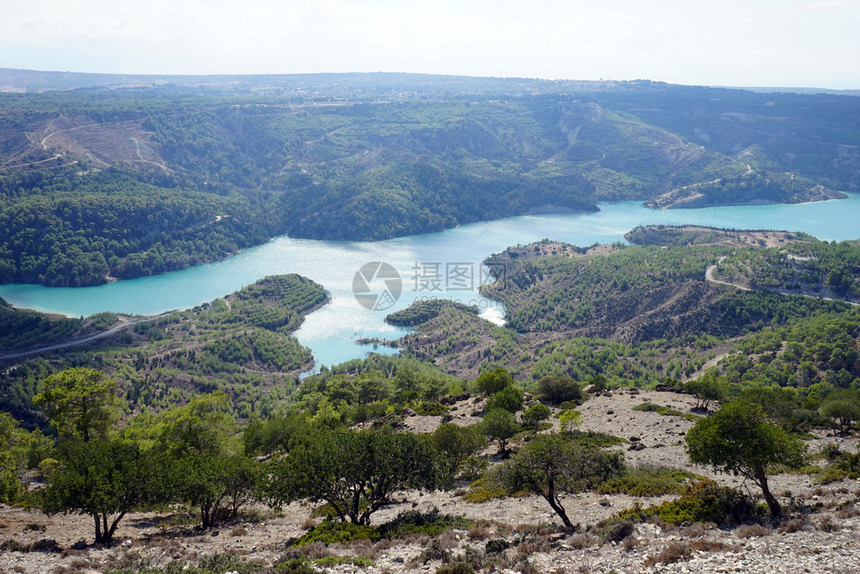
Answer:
x=709 y=277
x=123 y=324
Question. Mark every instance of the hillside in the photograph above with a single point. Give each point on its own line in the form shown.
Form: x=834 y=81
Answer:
x=632 y=314
x=641 y=342
x=241 y=343
x=131 y=176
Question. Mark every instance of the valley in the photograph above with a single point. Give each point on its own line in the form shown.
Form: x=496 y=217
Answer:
x=401 y=323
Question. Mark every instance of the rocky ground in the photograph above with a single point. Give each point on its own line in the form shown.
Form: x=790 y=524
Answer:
x=821 y=535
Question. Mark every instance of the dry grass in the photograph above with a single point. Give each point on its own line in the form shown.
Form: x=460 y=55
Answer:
x=752 y=531
x=847 y=512
x=697 y=530
x=827 y=524
x=581 y=540
x=793 y=525
x=449 y=540
x=316 y=550
x=480 y=532
x=673 y=552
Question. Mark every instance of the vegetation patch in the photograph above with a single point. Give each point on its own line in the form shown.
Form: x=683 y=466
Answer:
x=430 y=523
x=329 y=532
x=480 y=491
x=649 y=481
x=360 y=561
x=704 y=501
x=660 y=410
x=427 y=408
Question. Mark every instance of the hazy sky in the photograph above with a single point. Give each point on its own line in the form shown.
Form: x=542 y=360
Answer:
x=812 y=43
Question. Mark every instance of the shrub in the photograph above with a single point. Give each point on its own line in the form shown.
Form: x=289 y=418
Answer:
x=793 y=525
x=581 y=540
x=496 y=546
x=535 y=414
x=427 y=408
x=471 y=557
x=752 y=531
x=655 y=408
x=479 y=491
x=295 y=566
x=343 y=532
x=647 y=407
x=509 y=399
x=649 y=481
x=433 y=551
x=831 y=473
x=704 y=501
x=556 y=390
x=494 y=381
x=431 y=523
x=12 y=545
x=616 y=530
x=674 y=552
x=45 y=545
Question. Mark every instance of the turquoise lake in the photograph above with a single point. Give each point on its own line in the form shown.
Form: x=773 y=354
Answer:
x=445 y=265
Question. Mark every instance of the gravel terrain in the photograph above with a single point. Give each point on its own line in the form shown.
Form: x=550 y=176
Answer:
x=821 y=539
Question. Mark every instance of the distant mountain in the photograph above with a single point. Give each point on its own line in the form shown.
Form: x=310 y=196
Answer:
x=372 y=156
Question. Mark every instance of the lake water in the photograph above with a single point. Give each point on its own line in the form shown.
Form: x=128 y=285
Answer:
x=445 y=264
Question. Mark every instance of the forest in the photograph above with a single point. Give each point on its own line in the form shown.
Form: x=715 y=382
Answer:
x=103 y=183
x=202 y=411
x=242 y=343
x=736 y=352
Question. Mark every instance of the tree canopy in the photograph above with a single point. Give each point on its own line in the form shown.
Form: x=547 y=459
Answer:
x=355 y=471
x=552 y=464
x=105 y=479
x=739 y=439
x=80 y=403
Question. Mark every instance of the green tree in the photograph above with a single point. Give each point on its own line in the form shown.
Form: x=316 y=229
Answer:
x=843 y=412
x=780 y=404
x=105 y=479
x=494 y=381
x=80 y=403
x=217 y=484
x=535 y=414
x=277 y=432
x=499 y=425
x=509 y=399
x=556 y=390
x=739 y=439
x=710 y=387
x=355 y=471
x=205 y=424
x=12 y=440
x=552 y=464
x=456 y=444
x=199 y=445
x=569 y=419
